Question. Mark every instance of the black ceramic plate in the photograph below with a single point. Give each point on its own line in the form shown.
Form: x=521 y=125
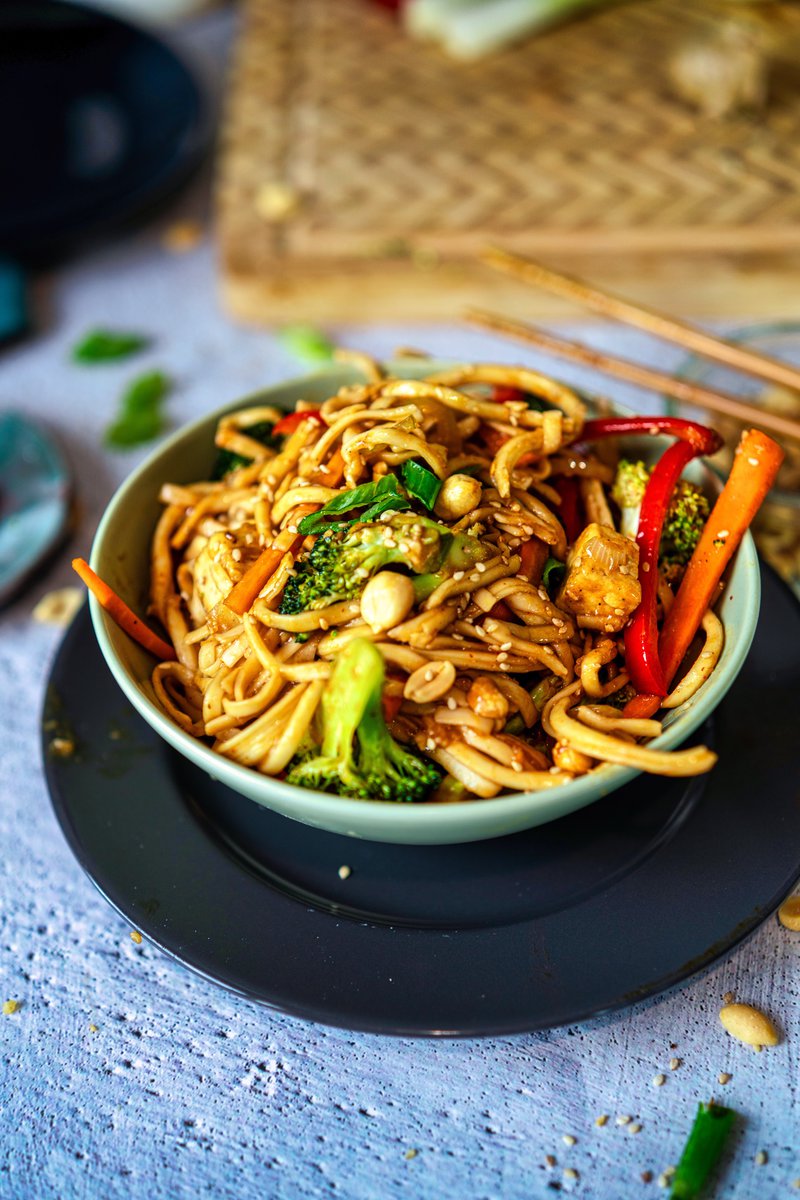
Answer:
x=602 y=908
x=98 y=118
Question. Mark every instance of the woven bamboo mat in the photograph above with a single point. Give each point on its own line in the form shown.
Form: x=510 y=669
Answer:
x=361 y=172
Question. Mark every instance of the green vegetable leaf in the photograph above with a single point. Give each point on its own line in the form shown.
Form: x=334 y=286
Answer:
x=307 y=343
x=421 y=483
x=108 y=345
x=140 y=417
x=702 y=1151
x=553 y=573
x=366 y=494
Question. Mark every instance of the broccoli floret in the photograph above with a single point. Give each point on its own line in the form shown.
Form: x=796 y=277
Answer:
x=342 y=560
x=358 y=756
x=687 y=514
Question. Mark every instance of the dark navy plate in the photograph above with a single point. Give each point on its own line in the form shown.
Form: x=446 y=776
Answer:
x=602 y=908
x=98 y=120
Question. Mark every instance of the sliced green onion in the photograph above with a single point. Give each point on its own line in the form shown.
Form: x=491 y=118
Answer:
x=107 y=345
x=702 y=1151
x=421 y=483
x=553 y=573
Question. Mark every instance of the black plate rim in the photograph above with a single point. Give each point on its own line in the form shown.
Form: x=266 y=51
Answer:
x=743 y=929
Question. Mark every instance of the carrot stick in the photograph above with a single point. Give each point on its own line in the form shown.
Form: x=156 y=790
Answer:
x=755 y=466
x=332 y=474
x=118 y=610
x=241 y=597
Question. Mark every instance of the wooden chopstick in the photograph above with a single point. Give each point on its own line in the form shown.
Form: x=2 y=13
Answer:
x=741 y=358
x=622 y=368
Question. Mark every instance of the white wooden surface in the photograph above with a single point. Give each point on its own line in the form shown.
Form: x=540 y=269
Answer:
x=183 y=1090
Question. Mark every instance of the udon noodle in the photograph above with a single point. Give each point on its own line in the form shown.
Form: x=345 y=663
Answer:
x=505 y=680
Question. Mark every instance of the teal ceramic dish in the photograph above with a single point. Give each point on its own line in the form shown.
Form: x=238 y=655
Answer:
x=121 y=556
x=34 y=500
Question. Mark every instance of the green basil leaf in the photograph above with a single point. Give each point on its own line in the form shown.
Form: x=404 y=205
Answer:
x=108 y=345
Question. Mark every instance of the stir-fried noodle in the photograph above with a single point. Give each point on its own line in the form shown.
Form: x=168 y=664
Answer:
x=504 y=676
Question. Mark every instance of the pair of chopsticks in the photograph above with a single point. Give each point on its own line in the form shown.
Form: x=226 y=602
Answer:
x=688 y=336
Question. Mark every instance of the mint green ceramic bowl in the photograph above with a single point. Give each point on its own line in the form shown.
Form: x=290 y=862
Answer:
x=121 y=556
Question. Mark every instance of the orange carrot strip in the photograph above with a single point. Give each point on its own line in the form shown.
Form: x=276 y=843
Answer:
x=332 y=474
x=755 y=466
x=241 y=597
x=118 y=610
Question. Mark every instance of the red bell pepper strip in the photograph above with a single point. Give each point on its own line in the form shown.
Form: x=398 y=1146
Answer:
x=641 y=635
x=704 y=440
x=503 y=394
x=569 y=511
x=289 y=423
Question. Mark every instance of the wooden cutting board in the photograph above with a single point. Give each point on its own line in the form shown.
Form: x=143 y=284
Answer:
x=361 y=172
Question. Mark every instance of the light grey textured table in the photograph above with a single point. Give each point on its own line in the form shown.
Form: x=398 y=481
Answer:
x=122 y=1074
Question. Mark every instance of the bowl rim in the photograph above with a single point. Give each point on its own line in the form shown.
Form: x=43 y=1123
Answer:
x=318 y=807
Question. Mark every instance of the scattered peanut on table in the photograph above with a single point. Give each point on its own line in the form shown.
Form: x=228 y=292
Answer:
x=749 y=1025
x=789 y=914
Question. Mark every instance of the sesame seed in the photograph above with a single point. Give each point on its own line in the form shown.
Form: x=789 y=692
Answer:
x=474 y=577
x=761 y=1158
x=624 y=1119
x=136 y=937
x=754 y=463
x=344 y=872
x=428 y=676
x=502 y=656
x=646 y=1176
x=569 y=1140
x=480 y=567
x=723 y=533
x=550 y=1159
x=645 y=567
x=459 y=575
x=323 y=624
x=236 y=555
x=724 y=1077
x=674 y=1063
x=571 y=1173
x=601 y=1120
x=659 y=1080
x=516 y=766
x=451 y=704
x=728 y=998
x=663 y=1180
x=634 y=1129
x=505 y=645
